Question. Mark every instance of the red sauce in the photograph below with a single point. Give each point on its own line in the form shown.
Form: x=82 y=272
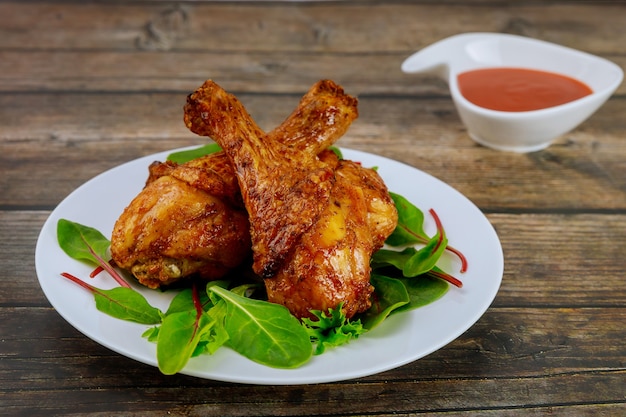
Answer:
x=518 y=89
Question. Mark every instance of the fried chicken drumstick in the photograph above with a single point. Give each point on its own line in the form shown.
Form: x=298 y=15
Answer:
x=186 y=221
x=315 y=220
x=190 y=220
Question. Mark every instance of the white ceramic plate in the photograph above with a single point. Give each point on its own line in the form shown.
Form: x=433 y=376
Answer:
x=401 y=339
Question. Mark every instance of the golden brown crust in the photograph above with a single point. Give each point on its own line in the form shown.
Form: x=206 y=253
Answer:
x=315 y=220
x=172 y=230
x=283 y=183
x=312 y=221
x=156 y=256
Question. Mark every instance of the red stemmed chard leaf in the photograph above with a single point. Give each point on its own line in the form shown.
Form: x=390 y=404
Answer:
x=121 y=302
x=410 y=229
x=87 y=244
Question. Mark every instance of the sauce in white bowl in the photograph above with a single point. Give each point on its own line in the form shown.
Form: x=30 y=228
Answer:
x=525 y=130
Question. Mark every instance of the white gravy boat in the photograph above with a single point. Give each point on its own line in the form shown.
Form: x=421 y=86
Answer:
x=525 y=131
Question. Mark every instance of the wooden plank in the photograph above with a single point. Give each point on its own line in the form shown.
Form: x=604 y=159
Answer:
x=298 y=26
x=504 y=343
x=19 y=231
x=517 y=358
x=578 y=264
x=275 y=72
x=561 y=259
x=439 y=396
x=57 y=47
x=253 y=72
x=86 y=134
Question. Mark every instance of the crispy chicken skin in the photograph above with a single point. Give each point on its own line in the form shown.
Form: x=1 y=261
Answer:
x=279 y=179
x=331 y=262
x=190 y=219
x=187 y=220
x=315 y=221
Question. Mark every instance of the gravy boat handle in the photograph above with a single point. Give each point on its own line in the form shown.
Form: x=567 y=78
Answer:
x=442 y=57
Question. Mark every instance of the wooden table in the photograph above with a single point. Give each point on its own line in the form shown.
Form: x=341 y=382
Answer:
x=88 y=86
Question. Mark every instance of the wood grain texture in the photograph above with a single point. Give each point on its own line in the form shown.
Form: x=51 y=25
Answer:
x=512 y=358
x=86 y=86
x=551 y=260
x=266 y=46
x=583 y=170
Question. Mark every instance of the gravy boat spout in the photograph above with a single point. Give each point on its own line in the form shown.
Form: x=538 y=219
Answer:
x=517 y=131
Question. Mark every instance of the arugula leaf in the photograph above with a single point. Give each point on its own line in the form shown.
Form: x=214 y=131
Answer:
x=332 y=329
x=181 y=157
x=264 y=332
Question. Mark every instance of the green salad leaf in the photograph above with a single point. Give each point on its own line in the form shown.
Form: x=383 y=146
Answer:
x=389 y=295
x=332 y=329
x=85 y=243
x=422 y=291
x=264 y=332
x=178 y=338
x=127 y=304
x=82 y=242
x=181 y=157
x=410 y=228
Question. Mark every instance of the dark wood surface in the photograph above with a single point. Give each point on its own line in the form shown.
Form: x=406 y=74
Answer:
x=86 y=86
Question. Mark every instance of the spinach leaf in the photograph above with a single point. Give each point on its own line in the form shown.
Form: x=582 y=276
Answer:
x=126 y=304
x=121 y=302
x=395 y=295
x=183 y=301
x=411 y=261
x=424 y=259
x=219 y=336
x=410 y=228
x=181 y=157
x=264 y=332
x=178 y=338
x=389 y=295
x=190 y=328
x=187 y=330
x=422 y=291
x=87 y=244
x=82 y=242
x=151 y=334
x=185 y=156
x=336 y=151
